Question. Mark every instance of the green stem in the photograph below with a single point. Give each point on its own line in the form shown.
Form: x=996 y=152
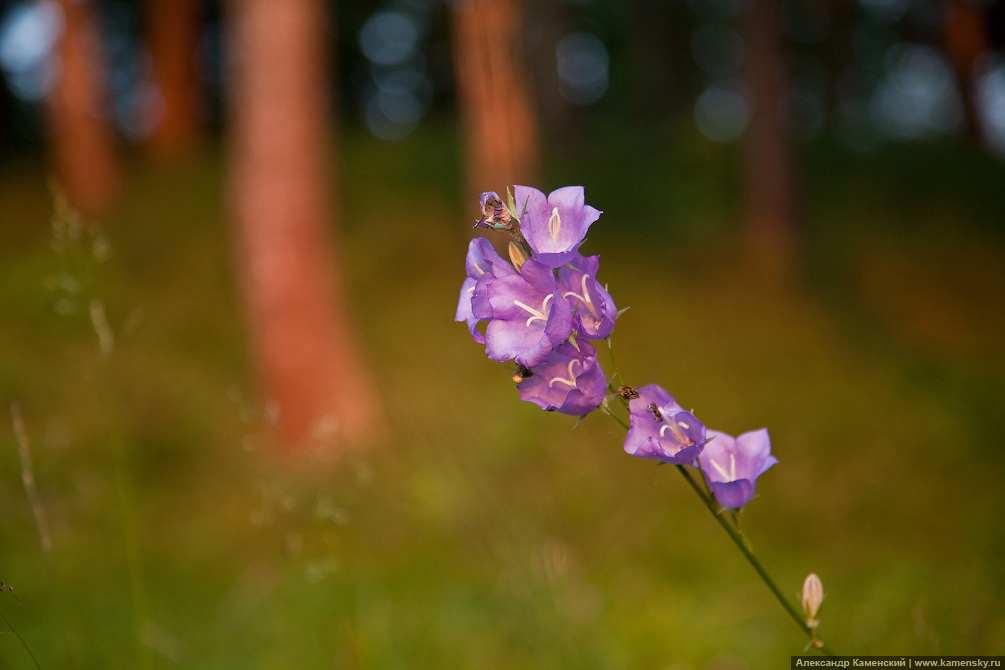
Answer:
x=614 y=390
x=41 y=524
x=127 y=509
x=23 y=643
x=614 y=362
x=740 y=540
x=618 y=419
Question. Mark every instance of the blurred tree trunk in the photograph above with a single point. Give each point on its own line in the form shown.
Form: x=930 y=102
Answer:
x=80 y=136
x=500 y=130
x=172 y=30
x=965 y=38
x=314 y=383
x=662 y=49
x=554 y=120
x=769 y=183
x=835 y=47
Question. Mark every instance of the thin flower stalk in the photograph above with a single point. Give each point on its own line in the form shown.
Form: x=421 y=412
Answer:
x=736 y=534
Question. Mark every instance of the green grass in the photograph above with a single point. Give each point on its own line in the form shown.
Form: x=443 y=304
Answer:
x=488 y=534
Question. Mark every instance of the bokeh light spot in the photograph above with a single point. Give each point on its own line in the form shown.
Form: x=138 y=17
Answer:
x=389 y=37
x=583 y=66
x=27 y=37
x=918 y=97
x=722 y=112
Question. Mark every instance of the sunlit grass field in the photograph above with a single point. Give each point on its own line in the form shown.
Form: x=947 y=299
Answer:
x=488 y=534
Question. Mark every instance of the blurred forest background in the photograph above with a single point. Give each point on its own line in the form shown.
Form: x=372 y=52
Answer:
x=244 y=431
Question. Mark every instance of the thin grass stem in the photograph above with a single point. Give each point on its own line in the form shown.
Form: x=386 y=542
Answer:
x=127 y=511
x=41 y=520
x=28 y=479
x=23 y=643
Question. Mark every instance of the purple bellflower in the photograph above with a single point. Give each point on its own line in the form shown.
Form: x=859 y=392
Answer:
x=482 y=264
x=732 y=466
x=529 y=315
x=595 y=312
x=554 y=226
x=661 y=429
x=570 y=381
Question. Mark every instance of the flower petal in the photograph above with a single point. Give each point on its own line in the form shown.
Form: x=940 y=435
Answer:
x=595 y=310
x=555 y=227
x=733 y=494
x=732 y=466
x=482 y=258
x=464 y=310
x=570 y=381
x=661 y=430
x=529 y=202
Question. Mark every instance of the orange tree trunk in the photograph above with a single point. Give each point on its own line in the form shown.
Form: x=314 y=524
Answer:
x=500 y=130
x=313 y=380
x=81 y=140
x=769 y=185
x=965 y=39
x=172 y=30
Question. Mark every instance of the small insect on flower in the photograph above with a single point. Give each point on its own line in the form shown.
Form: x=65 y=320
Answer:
x=521 y=372
x=653 y=409
x=628 y=392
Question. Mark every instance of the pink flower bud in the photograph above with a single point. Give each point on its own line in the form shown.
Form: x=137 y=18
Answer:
x=813 y=595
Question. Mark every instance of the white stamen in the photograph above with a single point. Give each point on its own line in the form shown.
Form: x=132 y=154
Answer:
x=585 y=298
x=554 y=226
x=680 y=437
x=535 y=314
x=720 y=470
x=668 y=426
x=728 y=476
x=570 y=382
x=586 y=294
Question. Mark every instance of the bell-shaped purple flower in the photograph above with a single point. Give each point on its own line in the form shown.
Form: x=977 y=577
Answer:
x=554 y=226
x=732 y=466
x=482 y=264
x=661 y=429
x=529 y=316
x=570 y=381
x=594 y=310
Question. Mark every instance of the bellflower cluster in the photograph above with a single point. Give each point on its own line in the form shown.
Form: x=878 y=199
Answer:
x=542 y=307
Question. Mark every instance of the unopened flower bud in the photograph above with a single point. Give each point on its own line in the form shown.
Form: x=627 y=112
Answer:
x=813 y=595
x=517 y=254
x=495 y=214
